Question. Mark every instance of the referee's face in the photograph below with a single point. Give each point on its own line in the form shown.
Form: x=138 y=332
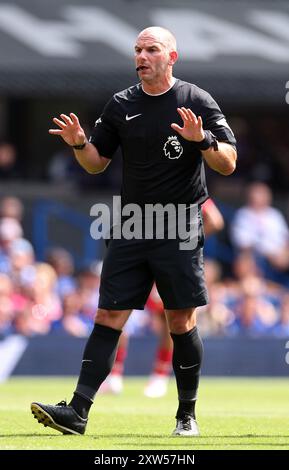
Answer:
x=152 y=57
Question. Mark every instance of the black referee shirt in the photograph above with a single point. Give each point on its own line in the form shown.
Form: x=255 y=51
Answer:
x=159 y=166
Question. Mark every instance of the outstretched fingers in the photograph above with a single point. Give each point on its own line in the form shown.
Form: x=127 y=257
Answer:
x=187 y=115
x=200 y=122
x=74 y=118
x=176 y=127
x=192 y=129
x=55 y=131
x=61 y=124
x=182 y=112
x=66 y=119
x=192 y=116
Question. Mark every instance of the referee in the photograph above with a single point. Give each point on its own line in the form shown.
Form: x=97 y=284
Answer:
x=166 y=128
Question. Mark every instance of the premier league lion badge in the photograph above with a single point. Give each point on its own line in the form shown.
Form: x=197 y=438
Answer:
x=173 y=148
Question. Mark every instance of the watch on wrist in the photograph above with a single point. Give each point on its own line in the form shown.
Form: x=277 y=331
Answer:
x=210 y=140
x=79 y=147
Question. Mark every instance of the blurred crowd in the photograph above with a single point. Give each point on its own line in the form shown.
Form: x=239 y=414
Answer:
x=50 y=297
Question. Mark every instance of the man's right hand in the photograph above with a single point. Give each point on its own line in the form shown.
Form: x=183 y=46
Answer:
x=70 y=129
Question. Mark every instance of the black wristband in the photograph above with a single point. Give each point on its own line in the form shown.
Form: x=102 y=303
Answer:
x=79 y=147
x=210 y=140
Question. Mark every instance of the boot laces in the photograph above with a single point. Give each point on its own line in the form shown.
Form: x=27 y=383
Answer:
x=61 y=403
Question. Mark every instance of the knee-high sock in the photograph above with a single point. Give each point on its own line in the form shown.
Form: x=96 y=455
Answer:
x=97 y=362
x=187 y=360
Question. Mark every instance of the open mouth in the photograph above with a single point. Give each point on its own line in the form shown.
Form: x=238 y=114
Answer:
x=142 y=67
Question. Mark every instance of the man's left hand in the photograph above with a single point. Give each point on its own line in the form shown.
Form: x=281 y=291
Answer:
x=193 y=126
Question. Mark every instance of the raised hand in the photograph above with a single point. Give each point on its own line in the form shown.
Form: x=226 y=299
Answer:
x=69 y=129
x=193 y=126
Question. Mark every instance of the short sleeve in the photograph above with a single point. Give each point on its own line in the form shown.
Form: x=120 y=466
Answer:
x=105 y=136
x=214 y=120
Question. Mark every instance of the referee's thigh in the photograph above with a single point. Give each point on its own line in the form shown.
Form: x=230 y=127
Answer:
x=179 y=275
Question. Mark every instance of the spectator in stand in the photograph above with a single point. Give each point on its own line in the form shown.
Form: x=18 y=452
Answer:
x=11 y=207
x=71 y=321
x=260 y=228
x=10 y=230
x=6 y=306
x=88 y=290
x=255 y=315
x=20 y=268
x=8 y=158
x=43 y=306
x=245 y=267
x=62 y=261
x=214 y=317
x=22 y=262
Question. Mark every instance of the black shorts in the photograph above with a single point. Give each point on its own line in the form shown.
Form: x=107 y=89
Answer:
x=132 y=266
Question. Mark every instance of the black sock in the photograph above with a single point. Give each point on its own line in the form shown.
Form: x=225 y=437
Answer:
x=97 y=362
x=187 y=360
x=81 y=405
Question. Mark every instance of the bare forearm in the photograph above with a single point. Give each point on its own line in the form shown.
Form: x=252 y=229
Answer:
x=223 y=160
x=90 y=159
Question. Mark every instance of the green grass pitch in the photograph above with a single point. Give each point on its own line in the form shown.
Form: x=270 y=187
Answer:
x=232 y=414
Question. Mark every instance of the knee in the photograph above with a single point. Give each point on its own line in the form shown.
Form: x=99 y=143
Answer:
x=179 y=324
x=111 y=318
x=102 y=317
